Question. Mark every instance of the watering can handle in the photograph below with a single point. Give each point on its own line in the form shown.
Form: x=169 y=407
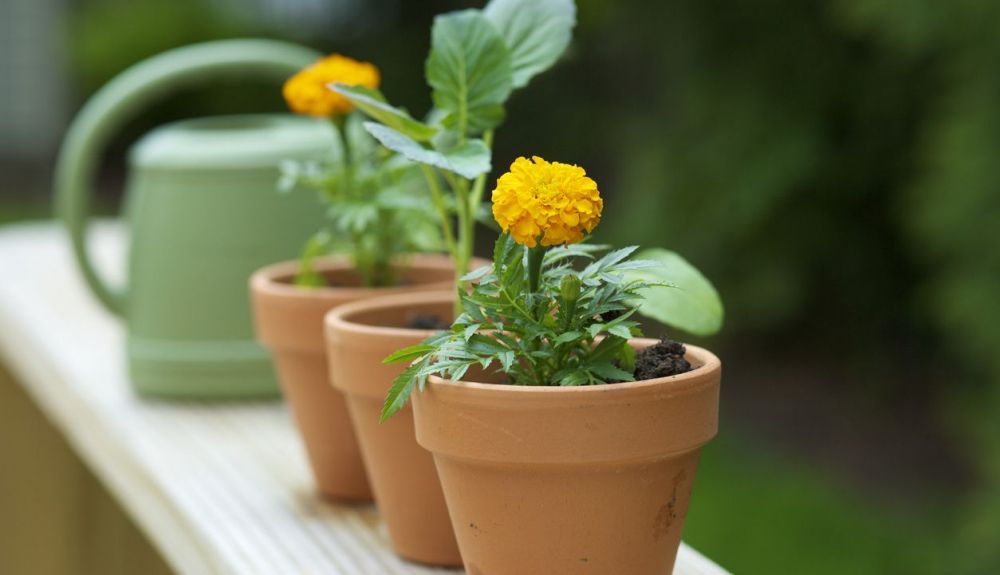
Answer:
x=121 y=99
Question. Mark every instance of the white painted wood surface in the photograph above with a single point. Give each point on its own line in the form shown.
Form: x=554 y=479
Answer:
x=218 y=488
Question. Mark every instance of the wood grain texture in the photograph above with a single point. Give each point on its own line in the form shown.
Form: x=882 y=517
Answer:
x=217 y=488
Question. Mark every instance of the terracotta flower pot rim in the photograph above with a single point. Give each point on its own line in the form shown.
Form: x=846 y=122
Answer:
x=274 y=280
x=340 y=318
x=689 y=382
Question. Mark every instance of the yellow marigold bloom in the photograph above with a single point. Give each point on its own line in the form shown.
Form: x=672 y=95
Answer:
x=307 y=92
x=549 y=200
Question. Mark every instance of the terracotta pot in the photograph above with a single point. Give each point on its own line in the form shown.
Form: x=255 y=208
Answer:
x=562 y=480
x=360 y=335
x=289 y=321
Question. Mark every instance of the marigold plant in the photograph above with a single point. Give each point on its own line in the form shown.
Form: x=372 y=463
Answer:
x=377 y=201
x=532 y=315
x=478 y=58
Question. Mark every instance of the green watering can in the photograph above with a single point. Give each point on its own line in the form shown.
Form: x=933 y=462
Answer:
x=204 y=213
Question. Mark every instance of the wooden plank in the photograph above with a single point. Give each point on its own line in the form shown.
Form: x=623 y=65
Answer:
x=57 y=518
x=218 y=488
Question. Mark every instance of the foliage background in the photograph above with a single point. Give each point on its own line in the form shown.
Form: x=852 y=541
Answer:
x=834 y=166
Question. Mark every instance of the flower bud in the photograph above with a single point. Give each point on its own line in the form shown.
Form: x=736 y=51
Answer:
x=569 y=288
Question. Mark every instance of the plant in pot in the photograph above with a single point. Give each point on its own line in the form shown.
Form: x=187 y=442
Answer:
x=565 y=442
x=477 y=59
x=378 y=222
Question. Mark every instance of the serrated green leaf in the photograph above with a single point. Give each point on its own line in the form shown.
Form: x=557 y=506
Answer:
x=536 y=32
x=568 y=337
x=467 y=160
x=506 y=359
x=607 y=349
x=374 y=104
x=692 y=305
x=574 y=378
x=408 y=353
x=621 y=331
x=594 y=329
x=399 y=392
x=607 y=371
x=469 y=70
x=477 y=273
x=626 y=358
x=470 y=331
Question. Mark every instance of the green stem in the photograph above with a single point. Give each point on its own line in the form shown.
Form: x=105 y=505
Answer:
x=535 y=257
x=465 y=237
x=465 y=229
x=480 y=184
x=438 y=197
x=340 y=124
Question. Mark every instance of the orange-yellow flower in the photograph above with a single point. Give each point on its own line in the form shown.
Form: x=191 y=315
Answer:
x=308 y=92
x=551 y=202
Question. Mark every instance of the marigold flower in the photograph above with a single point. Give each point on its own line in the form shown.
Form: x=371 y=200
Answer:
x=549 y=200
x=308 y=92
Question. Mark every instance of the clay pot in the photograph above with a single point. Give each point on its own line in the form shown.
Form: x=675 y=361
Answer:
x=407 y=491
x=565 y=480
x=289 y=322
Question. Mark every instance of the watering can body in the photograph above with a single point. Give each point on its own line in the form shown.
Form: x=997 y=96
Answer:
x=203 y=213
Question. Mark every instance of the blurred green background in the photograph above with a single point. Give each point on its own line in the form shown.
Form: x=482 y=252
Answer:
x=833 y=166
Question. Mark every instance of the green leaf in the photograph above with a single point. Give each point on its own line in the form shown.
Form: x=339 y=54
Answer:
x=607 y=371
x=607 y=349
x=621 y=331
x=594 y=329
x=574 y=378
x=407 y=353
x=400 y=391
x=536 y=32
x=374 y=104
x=469 y=70
x=470 y=330
x=317 y=246
x=467 y=160
x=477 y=273
x=693 y=305
x=568 y=337
x=626 y=358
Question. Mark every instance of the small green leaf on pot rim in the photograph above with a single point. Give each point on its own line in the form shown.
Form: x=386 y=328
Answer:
x=400 y=391
x=692 y=304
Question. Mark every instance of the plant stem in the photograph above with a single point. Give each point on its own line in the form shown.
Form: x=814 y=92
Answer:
x=340 y=124
x=535 y=257
x=438 y=197
x=479 y=185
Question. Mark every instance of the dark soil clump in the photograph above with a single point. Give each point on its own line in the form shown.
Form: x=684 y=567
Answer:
x=427 y=321
x=663 y=359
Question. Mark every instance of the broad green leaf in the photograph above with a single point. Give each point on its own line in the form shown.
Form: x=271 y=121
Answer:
x=374 y=104
x=467 y=160
x=536 y=32
x=691 y=305
x=469 y=70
